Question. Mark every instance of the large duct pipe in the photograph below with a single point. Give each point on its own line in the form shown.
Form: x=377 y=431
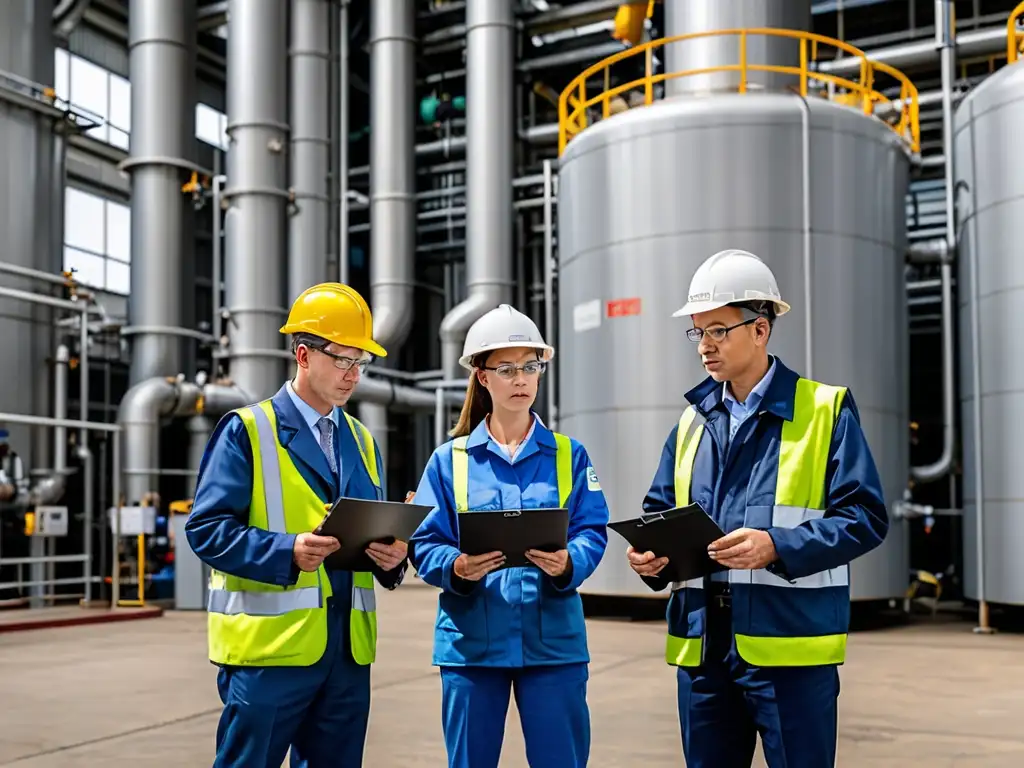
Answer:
x=490 y=122
x=392 y=169
x=386 y=393
x=688 y=16
x=139 y=414
x=162 y=56
x=254 y=226
x=310 y=145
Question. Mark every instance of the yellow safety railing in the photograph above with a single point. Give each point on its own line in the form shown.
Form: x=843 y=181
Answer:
x=1014 y=36
x=574 y=102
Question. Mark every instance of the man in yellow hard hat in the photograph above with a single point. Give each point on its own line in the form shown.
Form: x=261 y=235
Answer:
x=293 y=640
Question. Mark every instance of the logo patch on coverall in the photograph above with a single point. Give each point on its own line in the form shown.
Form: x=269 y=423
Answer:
x=592 y=484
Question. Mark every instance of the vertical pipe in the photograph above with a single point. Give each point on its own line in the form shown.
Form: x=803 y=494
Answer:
x=945 y=39
x=115 y=536
x=805 y=120
x=343 y=142
x=549 y=291
x=255 y=243
x=979 y=442
x=490 y=123
x=88 y=489
x=375 y=418
x=162 y=52
x=439 y=416
x=392 y=168
x=310 y=145
x=216 y=324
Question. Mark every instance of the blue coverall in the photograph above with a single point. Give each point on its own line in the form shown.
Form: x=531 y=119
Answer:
x=321 y=711
x=517 y=627
x=725 y=702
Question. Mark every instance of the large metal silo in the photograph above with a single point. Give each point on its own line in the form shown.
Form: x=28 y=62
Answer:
x=990 y=203
x=31 y=218
x=813 y=187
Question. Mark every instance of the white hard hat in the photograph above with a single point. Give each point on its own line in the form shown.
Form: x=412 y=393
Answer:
x=503 y=328
x=731 y=277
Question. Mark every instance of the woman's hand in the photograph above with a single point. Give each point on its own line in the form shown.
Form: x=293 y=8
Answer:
x=552 y=563
x=475 y=567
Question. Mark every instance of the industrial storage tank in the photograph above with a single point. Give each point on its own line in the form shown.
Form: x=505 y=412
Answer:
x=990 y=207
x=646 y=195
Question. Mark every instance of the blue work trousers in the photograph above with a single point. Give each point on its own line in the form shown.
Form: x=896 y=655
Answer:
x=552 y=704
x=320 y=711
x=726 y=702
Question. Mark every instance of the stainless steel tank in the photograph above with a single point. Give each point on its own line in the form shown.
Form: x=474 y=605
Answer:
x=990 y=207
x=646 y=196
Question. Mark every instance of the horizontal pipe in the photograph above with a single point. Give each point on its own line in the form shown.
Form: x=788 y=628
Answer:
x=979 y=42
x=389 y=393
x=46 y=421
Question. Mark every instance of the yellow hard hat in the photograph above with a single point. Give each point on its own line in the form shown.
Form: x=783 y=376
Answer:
x=335 y=312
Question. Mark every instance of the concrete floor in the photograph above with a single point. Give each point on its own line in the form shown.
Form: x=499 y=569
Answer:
x=141 y=693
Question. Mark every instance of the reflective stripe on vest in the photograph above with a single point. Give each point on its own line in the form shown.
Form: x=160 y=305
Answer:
x=460 y=470
x=252 y=623
x=799 y=498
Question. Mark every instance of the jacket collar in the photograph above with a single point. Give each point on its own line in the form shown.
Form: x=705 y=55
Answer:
x=541 y=438
x=779 y=399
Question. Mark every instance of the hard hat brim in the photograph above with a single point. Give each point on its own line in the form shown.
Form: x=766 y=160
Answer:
x=696 y=307
x=549 y=352
x=367 y=345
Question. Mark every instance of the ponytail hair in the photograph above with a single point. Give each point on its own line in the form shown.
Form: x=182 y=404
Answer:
x=475 y=408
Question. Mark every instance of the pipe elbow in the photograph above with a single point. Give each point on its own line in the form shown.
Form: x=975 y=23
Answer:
x=219 y=398
x=48 y=490
x=392 y=315
x=457 y=322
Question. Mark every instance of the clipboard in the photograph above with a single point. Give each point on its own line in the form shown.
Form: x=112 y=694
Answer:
x=513 y=531
x=681 y=534
x=358 y=522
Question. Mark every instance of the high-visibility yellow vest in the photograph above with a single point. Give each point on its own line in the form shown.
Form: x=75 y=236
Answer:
x=768 y=637
x=265 y=625
x=460 y=470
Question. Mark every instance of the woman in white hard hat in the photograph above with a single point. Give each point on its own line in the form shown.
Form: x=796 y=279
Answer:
x=501 y=627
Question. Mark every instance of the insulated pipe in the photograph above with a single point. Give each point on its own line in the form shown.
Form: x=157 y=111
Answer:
x=310 y=145
x=392 y=169
x=688 y=16
x=139 y=415
x=254 y=226
x=944 y=39
x=490 y=121
x=162 y=62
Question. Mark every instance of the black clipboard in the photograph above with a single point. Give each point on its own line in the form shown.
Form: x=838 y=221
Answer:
x=513 y=531
x=358 y=522
x=681 y=534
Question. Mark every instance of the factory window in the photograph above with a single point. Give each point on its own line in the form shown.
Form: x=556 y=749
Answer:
x=211 y=126
x=96 y=94
x=97 y=241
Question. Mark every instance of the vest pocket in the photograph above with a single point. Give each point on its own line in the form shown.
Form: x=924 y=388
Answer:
x=463 y=622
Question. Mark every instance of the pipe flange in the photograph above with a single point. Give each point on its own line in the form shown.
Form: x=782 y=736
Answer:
x=131 y=163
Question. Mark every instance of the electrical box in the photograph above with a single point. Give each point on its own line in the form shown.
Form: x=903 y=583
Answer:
x=135 y=521
x=50 y=521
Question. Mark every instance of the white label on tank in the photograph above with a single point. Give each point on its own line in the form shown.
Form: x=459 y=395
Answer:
x=586 y=316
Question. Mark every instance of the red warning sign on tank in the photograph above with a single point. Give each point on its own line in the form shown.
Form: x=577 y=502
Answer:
x=623 y=307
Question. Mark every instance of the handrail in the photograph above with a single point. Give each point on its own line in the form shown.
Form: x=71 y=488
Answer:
x=860 y=93
x=1014 y=36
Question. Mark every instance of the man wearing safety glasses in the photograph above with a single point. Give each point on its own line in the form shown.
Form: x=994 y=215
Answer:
x=293 y=640
x=781 y=464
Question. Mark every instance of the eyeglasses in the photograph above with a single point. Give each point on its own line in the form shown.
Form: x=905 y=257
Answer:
x=509 y=371
x=343 y=363
x=718 y=333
